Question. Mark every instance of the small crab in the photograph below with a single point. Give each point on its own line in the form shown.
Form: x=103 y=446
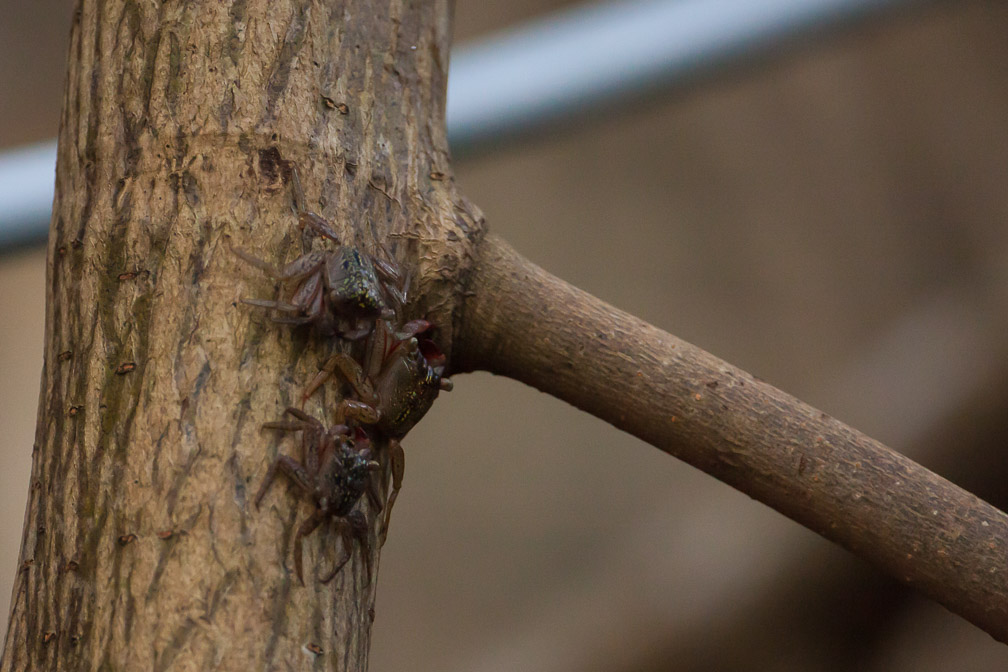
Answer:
x=334 y=472
x=341 y=292
x=409 y=377
x=400 y=378
x=403 y=376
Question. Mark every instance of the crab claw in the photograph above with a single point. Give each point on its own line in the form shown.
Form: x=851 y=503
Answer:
x=432 y=353
x=412 y=328
x=320 y=226
x=362 y=440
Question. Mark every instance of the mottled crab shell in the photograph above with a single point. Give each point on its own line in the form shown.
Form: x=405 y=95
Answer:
x=353 y=284
x=409 y=386
x=348 y=479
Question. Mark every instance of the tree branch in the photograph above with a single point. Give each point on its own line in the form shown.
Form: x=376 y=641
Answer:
x=521 y=322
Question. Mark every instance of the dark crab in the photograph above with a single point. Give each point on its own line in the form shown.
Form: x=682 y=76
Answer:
x=341 y=292
x=402 y=377
x=409 y=377
x=335 y=471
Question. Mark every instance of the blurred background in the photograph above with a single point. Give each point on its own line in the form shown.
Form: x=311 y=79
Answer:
x=828 y=213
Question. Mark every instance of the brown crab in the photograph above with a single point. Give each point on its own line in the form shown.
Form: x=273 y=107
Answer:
x=341 y=292
x=335 y=471
x=403 y=376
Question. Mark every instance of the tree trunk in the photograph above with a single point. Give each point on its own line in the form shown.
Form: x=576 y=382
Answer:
x=142 y=548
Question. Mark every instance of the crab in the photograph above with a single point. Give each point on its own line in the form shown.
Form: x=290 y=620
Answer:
x=342 y=292
x=335 y=471
x=402 y=376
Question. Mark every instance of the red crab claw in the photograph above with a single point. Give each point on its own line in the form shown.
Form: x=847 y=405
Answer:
x=412 y=328
x=432 y=353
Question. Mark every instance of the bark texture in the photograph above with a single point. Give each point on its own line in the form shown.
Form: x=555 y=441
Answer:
x=915 y=525
x=142 y=549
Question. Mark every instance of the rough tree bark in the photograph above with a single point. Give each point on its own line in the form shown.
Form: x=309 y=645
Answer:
x=141 y=547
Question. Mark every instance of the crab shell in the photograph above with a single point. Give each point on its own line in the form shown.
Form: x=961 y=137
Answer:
x=345 y=476
x=409 y=385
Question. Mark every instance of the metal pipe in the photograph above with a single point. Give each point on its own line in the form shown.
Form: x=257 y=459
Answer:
x=592 y=56
x=27 y=175
x=557 y=67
